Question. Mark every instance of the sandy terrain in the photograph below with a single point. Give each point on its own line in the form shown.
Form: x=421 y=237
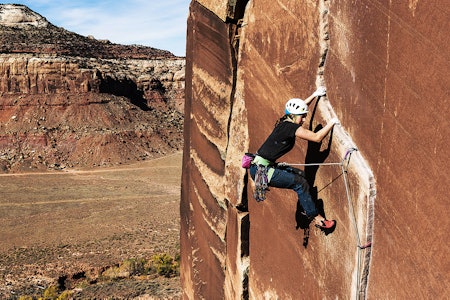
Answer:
x=71 y=225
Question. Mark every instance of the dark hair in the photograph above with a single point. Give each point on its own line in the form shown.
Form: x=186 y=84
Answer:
x=284 y=118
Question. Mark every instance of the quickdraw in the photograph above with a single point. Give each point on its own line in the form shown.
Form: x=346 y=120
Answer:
x=261 y=183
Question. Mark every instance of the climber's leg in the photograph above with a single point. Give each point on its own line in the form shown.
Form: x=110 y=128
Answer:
x=288 y=180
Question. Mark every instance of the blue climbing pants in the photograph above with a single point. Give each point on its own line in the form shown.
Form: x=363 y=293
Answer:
x=285 y=179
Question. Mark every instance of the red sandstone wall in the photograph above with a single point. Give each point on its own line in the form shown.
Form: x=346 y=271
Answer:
x=388 y=73
x=203 y=208
x=238 y=78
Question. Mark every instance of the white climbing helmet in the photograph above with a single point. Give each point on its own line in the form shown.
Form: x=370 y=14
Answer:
x=296 y=106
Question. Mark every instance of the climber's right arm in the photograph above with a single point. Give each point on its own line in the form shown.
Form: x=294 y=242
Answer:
x=318 y=136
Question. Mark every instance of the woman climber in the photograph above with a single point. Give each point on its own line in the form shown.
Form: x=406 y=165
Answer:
x=266 y=172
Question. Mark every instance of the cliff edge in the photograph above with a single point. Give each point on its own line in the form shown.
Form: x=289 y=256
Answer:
x=72 y=101
x=245 y=59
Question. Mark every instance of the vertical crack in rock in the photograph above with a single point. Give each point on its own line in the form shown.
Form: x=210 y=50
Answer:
x=236 y=10
x=364 y=198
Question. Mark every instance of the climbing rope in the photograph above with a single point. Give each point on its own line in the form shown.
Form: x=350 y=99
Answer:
x=344 y=166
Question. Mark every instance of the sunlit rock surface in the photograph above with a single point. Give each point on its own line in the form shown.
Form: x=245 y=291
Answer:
x=387 y=79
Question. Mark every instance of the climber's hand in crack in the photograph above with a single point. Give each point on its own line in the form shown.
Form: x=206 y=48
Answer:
x=321 y=90
x=335 y=121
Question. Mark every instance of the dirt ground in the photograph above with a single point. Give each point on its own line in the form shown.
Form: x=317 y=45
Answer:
x=67 y=226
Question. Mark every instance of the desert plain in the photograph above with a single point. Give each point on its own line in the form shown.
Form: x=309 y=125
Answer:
x=67 y=227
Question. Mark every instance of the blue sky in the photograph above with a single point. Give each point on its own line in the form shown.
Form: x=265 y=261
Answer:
x=156 y=23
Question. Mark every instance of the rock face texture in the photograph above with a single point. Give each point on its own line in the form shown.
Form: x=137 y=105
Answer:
x=68 y=100
x=245 y=59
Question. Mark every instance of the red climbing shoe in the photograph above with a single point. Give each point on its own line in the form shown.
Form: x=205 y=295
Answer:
x=326 y=224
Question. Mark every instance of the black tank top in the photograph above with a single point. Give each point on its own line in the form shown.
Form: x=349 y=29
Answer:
x=279 y=142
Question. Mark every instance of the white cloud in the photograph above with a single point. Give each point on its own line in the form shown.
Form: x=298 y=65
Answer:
x=155 y=23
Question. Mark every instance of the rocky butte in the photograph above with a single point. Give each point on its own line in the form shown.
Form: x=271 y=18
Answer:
x=72 y=101
x=386 y=69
